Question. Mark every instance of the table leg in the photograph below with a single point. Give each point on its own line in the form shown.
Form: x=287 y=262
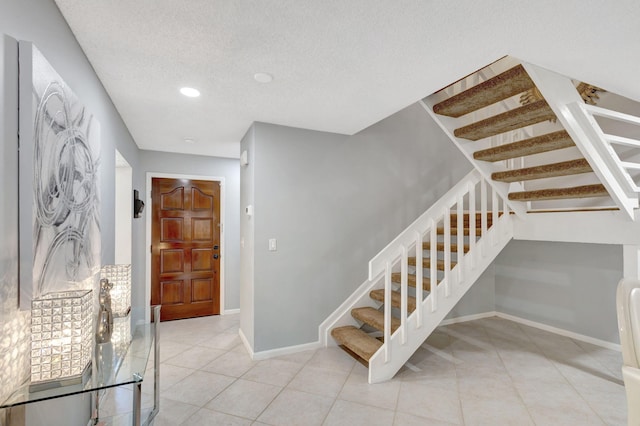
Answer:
x=137 y=403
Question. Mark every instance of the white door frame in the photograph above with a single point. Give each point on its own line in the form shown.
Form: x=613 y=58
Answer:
x=150 y=176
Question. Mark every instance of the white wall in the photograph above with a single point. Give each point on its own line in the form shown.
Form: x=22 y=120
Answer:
x=123 y=210
x=229 y=168
x=247 y=238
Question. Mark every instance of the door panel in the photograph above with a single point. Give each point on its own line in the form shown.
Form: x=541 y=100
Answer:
x=201 y=290
x=172 y=292
x=172 y=229
x=202 y=230
x=185 y=247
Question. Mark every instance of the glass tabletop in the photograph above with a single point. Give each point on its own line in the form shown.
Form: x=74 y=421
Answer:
x=108 y=369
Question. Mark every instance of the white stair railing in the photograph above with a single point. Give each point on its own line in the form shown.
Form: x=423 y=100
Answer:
x=577 y=119
x=447 y=287
x=585 y=115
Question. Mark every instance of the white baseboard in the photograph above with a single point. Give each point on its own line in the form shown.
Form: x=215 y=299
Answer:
x=245 y=342
x=561 y=332
x=466 y=318
x=287 y=350
x=231 y=311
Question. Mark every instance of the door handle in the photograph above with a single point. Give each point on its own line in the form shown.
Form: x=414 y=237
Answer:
x=216 y=256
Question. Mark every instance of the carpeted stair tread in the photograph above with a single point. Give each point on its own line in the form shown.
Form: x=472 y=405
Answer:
x=565 y=168
x=440 y=247
x=454 y=231
x=374 y=318
x=465 y=218
x=395 y=299
x=517 y=118
x=536 y=145
x=503 y=86
x=426 y=263
x=356 y=341
x=411 y=280
x=585 y=191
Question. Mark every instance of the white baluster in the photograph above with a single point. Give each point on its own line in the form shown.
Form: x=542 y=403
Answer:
x=460 y=240
x=433 y=276
x=447 y=252
x=419 y=273
x=483 y=206
x=403 y=293
x=472 y=225
x=494 y=212
x=387 y=312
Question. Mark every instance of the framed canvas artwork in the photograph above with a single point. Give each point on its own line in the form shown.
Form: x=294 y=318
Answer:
x=59 y=200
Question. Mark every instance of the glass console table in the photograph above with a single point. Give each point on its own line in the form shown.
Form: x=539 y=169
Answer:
x=107 y=372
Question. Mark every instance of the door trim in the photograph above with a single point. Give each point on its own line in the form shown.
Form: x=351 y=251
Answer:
x=223 y=241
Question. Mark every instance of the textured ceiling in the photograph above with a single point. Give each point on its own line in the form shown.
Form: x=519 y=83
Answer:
x=338 y=66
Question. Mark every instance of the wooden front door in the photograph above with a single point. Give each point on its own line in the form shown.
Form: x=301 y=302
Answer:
x=185 y=247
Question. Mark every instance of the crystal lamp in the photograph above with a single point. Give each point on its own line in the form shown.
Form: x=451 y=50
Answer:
x=61 y=338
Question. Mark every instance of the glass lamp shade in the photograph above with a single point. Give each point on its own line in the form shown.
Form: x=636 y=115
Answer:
x=120 y=277
x=61 y=336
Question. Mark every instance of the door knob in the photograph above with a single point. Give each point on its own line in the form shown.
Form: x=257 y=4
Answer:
x=216 y=256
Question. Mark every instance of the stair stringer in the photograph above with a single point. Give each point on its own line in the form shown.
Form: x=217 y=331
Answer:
x=486 y=250
x=566 y=103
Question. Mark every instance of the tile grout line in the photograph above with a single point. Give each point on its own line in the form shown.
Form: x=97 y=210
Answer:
x=544 y=353
x=524 y=404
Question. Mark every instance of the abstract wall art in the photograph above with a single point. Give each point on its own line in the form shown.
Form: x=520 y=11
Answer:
x=58 y=183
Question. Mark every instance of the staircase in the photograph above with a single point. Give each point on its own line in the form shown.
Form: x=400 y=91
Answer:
x=513 y=121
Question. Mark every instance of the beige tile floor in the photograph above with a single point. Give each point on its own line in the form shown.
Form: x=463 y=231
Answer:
x=485 y=372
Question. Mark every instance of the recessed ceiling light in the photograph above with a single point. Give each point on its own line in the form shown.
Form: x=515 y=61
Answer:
x=190 y=92
x=189 y=140
x=263 y=77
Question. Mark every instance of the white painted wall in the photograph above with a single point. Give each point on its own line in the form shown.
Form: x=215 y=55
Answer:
x=247 y=239
x=123 y=210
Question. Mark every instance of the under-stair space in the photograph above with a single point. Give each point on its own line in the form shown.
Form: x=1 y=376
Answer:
x=419 y=277
x=539 y=142
x=361 y=343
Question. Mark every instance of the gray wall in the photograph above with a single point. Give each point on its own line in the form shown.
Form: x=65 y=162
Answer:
x=40 y=22
x=162 y=162
x=566 y=285
x=333 y=202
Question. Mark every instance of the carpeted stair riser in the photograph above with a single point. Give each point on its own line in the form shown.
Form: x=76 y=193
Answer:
x=411 y=281
x=467 y=231
x=585 y=191
x=426 y=263
x=395 y=299
x=374 y=318
x=536 y=145
x=440 y=247
x=500 y=87
x=565 y=168
x=356 y=341
x=523 y=116
x=465 y=219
